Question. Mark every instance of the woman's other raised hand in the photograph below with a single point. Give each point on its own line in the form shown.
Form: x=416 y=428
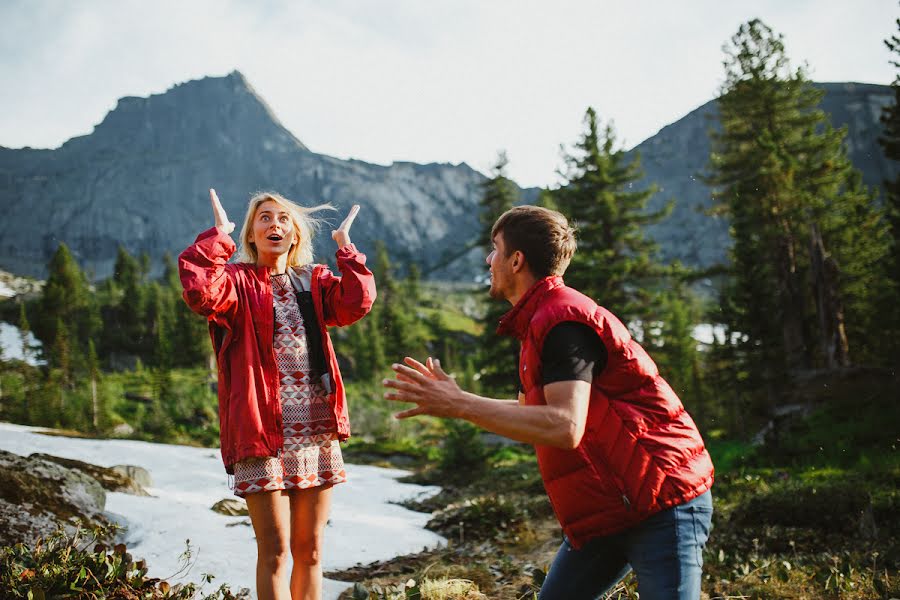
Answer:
x=341 y=235
x=222 y=222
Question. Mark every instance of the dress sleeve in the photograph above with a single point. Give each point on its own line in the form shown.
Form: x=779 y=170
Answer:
x=348 y=298
x=209 y=289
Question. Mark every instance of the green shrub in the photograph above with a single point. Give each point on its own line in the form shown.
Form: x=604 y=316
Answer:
x=82 y=566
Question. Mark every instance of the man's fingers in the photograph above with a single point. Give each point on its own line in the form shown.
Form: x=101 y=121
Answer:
x=424 y=370
x=410 y=413
x=418 y=374
x=436 y=367
x=399 y=384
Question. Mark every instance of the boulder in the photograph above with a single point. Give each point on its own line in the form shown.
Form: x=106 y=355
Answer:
x=113 y=479
x=231 y=507
x=139 y=474
x=37 y=496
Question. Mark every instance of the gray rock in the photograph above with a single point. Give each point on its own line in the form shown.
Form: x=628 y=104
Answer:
x=36 y=495
x=140 y=475
x=122 y=430
x=111 y=479
x=231 y=507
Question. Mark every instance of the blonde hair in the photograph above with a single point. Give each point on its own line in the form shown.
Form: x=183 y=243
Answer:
x=305 y=226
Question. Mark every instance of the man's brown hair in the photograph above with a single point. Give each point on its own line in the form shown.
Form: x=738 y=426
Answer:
x=541 y=234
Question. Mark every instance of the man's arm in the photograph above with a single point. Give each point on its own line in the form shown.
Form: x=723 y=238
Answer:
x=559 y=423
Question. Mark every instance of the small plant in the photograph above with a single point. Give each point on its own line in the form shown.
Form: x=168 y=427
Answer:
x=463 y=454
x=484 y=518
x=428 y=589
x=81 y=565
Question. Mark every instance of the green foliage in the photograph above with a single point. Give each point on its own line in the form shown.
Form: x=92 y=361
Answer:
x=807 y=235
x=483 y=518
x=497 y=355
x=890 y=141
x=463 y=454
x=674 y=348
x=82 y=566
x=614 y=263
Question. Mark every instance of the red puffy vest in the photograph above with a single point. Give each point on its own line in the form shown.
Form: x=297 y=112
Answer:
x=641 y=451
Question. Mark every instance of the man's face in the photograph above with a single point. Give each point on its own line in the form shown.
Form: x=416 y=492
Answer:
x=501 y=270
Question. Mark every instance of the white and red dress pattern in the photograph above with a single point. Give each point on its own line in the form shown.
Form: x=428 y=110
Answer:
x=311 y=455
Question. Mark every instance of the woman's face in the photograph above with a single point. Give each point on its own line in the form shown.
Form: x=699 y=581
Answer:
x=273 y=229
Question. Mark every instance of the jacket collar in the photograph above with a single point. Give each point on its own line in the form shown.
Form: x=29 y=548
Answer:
x=515 y=322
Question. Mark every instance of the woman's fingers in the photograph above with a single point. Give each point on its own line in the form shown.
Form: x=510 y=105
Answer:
x=345 y=226
x=221 y=216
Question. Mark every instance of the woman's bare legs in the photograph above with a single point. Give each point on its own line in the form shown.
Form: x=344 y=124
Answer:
x=309 y=514
x=270 y=513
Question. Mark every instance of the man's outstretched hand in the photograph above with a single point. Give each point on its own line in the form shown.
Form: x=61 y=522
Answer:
x=433 y=391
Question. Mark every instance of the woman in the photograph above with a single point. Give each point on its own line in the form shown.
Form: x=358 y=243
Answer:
x=282 y=408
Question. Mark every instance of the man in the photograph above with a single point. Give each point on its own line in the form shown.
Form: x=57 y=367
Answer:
x=623 y=464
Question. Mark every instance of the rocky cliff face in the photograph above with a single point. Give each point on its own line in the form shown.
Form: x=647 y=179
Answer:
x=676 y=157
x=141 y=179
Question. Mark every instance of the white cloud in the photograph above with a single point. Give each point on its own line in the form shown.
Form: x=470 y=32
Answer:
x=446 y=81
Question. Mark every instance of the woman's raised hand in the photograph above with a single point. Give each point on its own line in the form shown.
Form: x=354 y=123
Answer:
x=222 y=222
x=341 y=235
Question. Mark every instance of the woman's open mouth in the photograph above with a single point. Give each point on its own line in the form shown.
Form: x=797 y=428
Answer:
x=275 y=238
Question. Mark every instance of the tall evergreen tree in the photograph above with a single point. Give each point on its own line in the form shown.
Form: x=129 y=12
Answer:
x=65 y=300
x=498 y=356
x=190 y=332
x=890 y=141
x=124 y=319
x=615 y=261
x=783 y=177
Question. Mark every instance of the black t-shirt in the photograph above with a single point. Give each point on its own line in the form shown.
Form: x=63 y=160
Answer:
x=572 y=351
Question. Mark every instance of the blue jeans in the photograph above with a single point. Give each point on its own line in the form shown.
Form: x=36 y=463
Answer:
x=665 y=551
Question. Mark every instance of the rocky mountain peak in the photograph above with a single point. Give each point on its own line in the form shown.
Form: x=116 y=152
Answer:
x=211 y=110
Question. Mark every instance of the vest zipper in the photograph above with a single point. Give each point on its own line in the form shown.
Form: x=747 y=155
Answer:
x=626 y=502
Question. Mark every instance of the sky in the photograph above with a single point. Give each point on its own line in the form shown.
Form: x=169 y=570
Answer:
x=417 y=80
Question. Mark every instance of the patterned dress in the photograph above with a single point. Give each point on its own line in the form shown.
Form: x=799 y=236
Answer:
x=311 y=455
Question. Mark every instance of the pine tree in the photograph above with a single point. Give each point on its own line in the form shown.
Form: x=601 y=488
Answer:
x=890 y=142
x=498 y=355
x=675 y=349
x=190 y=332
x=615 y=262
x=783 y=177
x=65 y=300
x=395 y=321
x=124 y=322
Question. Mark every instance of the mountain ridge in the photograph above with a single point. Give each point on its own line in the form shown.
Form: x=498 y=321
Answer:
x=139 y=179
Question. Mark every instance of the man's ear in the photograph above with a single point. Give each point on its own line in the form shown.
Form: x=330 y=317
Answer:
x=518 y=262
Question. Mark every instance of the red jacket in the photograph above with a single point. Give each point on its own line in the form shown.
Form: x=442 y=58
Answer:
x=641 y=452
x=237 y=300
